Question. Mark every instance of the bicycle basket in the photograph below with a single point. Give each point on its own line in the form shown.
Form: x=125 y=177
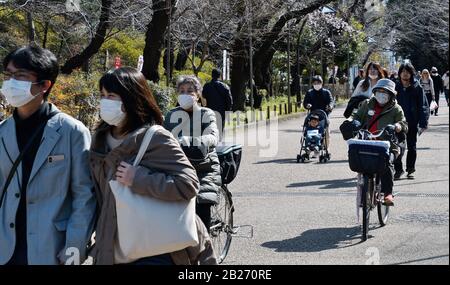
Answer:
x=230 y=159
x=368 y=157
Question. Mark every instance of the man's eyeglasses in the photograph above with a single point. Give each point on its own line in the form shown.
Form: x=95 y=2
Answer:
x=18 y=75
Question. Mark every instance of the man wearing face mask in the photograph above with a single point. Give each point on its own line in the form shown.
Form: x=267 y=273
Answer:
x=46 y=199
x=375 y=114
x=319 y=98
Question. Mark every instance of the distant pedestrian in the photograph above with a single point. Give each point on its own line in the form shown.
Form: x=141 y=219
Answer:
x=428 y=87
x=358 y=78
x=218 y=97
x=445 y=81
x=438 y=87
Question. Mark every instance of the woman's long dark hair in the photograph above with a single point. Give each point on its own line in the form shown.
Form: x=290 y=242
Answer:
x=377 y=66
x=132 y=87
x=409 y=68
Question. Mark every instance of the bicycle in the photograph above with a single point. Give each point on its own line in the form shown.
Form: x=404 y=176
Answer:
x=222 y=227
x=368 y=158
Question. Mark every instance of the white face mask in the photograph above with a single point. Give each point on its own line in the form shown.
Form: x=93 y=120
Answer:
x=187 y=101
x=317 y=87
x=382 y=98
x=17 y=92
x=111 y=112
x=373 y=77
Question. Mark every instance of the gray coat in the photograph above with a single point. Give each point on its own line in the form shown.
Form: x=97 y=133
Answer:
x=201 y=129
x=60 y=198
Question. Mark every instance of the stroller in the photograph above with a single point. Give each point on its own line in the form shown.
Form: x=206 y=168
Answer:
x=314 y=142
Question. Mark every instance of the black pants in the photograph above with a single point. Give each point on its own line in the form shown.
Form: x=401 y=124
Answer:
x=429 y=99
x=411 y=157
x=387 y=180
x=204 y=212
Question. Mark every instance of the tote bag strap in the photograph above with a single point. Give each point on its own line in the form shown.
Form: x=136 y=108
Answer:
x=145 y=143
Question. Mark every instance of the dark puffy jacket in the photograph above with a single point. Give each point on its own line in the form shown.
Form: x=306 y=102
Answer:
x=319 y=100
x=218 y=96
x=353 y=104
x=414 y=104
x=202 y=150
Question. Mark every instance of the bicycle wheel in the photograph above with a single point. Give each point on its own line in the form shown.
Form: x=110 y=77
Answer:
x=366 y=206
x=221 y=229
x=382 y=209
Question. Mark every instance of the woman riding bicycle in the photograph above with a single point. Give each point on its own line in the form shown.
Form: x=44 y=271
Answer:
x=375 y=114
x=196 y=129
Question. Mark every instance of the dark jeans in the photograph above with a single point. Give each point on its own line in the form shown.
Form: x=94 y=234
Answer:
x=429 y=99
x=163 y=259
x=204 y=212
x=411 y=141
x=387 y=180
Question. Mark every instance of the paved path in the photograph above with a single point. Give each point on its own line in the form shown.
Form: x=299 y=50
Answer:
x=305 y=213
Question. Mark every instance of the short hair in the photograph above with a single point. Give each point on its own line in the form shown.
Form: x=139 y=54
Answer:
x=216 y=73
x=36 y=59
x=190 y=79
x=317 y=78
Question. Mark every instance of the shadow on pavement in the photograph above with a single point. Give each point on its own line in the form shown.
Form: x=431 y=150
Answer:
x=318 y=240
x=327 y=184
x=279 y=161
x=421 y=259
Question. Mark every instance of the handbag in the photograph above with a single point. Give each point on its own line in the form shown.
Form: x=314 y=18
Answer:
x=148 y=226
x=433 y=105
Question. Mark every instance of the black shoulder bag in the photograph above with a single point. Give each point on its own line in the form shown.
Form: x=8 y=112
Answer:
x=22 y=154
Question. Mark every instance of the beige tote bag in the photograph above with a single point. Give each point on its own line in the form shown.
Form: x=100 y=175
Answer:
x=149 y=226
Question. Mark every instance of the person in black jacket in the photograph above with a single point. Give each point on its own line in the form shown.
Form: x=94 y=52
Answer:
x=358 y=78
x=412 y=99
x=319 y=98
x=218 y=97
x=438 y=87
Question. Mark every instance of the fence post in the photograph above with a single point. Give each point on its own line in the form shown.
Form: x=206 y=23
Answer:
x=285 y=109
x=280 y=110
x=268 y=113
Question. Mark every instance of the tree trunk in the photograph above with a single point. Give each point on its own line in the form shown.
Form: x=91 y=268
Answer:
x=172 y=56
x=239 y=73
x=31 y=29
x=44 y=41
x=182 y=57
x=264 y=54
x=154 y=37
x=96 y=42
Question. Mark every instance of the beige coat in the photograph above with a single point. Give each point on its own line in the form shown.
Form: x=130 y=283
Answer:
x=164 y=173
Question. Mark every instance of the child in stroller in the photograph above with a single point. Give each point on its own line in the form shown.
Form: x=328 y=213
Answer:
x=313 y=138
x=314 y=134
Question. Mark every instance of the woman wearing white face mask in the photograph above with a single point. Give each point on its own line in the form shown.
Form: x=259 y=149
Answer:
x=128 y=109
x=197 y=131
x=375 y=114
x=374 y=72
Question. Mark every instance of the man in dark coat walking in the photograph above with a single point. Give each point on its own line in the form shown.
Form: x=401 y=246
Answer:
x=218 y=97
x=412 y=99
